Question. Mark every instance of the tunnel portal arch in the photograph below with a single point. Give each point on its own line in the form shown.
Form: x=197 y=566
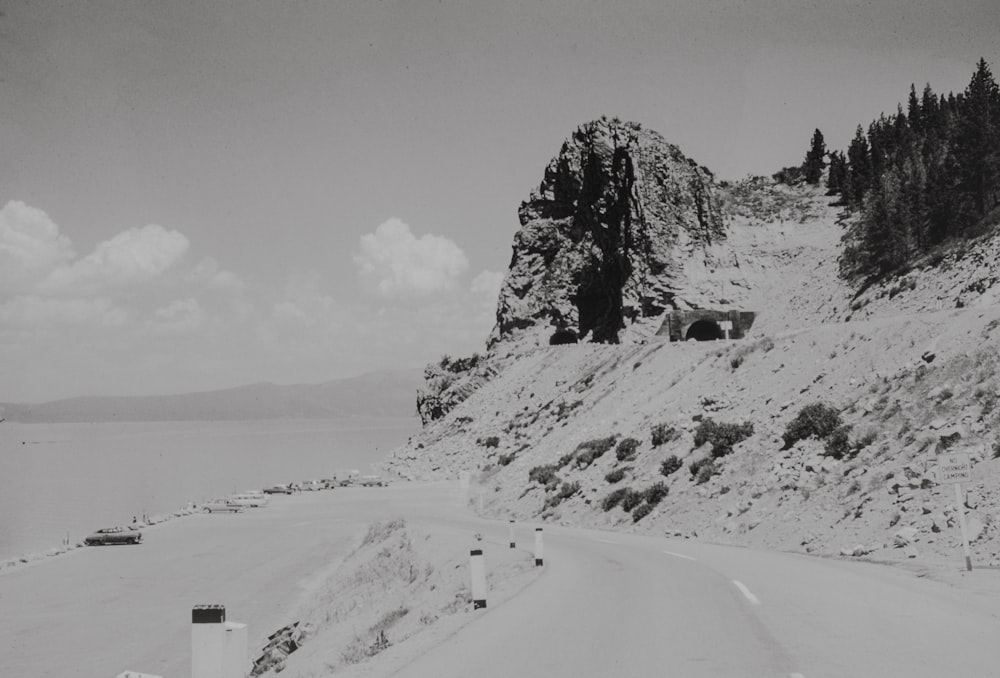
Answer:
x=563 y=337
x=704 y=330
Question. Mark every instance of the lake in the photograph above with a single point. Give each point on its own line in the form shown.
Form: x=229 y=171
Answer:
x=70 y=479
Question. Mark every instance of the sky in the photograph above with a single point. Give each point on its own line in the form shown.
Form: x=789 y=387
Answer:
x=198 y=195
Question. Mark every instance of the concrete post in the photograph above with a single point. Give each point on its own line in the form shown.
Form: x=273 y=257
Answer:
x=538 y=546
x=478 y=569
x=208 y=641
x=235 y=656
x=512 y=545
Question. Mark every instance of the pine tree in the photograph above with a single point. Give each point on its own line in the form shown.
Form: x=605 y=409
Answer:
x=837 y=178
x=978 y=137
x=812 y=167
x=859 y=164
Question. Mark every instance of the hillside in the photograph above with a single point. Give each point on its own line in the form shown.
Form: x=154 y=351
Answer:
x=378 y=394
x=910 y=364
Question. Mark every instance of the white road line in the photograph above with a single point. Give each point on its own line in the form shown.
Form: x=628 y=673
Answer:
x=746 y=592
x=680 y=555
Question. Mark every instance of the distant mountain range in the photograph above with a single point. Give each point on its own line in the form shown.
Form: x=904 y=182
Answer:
x=389 y=393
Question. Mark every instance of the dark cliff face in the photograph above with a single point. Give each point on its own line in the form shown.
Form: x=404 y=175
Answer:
x=604 y=237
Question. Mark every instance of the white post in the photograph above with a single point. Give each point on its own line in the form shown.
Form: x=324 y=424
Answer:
x=478 y=569
x=512 y=545
x=208 y=641
x=480 y=501
x=538 y=546
x=136 y=674
x=960 y=503
x=235 y=657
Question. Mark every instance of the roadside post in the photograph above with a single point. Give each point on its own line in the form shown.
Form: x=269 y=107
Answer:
x=478 y=569
x=538 y=547
x=956 y=468
x=218 y=647
x=726 y=326
x=512 y=545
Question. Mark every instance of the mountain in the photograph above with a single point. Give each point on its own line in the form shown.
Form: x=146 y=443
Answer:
x=820 y=431
x=377 y=394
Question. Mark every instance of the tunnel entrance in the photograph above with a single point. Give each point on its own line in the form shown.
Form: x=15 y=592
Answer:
x=704 y=330
x=562 y=337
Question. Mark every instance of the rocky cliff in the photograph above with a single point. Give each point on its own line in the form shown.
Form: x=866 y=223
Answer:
x=620 y=229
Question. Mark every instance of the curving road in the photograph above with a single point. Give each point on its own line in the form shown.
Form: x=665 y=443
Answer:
x=606 y=604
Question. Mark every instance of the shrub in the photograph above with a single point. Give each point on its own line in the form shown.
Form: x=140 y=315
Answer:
x=706 y=471
x=721 y=436
x=838 y=443
x=543 y=475
x=614 y=498
x=695 y=465
x=631 y=499
x=492 y=441
x=567 y=490
x=670 y=465
x=816 y=419
x=587 y=452
x=615 y=475
x=505 y=459
x=663 y=433
x=565 y=459
x=655 y=493
x=640 y=512
x=626 y=449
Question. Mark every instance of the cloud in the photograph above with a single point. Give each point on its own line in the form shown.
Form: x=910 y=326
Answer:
x=137 y=255
x=30 y=246
x=209 y=274
x=178 y=317
x=35 y=312
x=400 y=265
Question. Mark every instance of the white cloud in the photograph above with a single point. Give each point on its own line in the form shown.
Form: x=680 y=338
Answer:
x=179 y=316
x=137 y=255
x=487 y=284
x=209 y=274
x=399 y=264
x=39 y=312
x=30 y=245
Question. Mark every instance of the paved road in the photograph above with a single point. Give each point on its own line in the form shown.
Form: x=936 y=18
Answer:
x=620 y=605
x=607 y=604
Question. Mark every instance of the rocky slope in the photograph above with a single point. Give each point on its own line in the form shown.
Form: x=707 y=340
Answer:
x=909 y=365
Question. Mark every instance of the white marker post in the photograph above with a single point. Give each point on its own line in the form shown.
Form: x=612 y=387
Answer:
x=955 y=468
x=512 y=544
x=726 y=326
x=235 y=659
x=136 y=674
x=478 y=568
x=208 y=641
x=538 y=547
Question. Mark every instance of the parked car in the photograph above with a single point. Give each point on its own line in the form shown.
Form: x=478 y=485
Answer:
x=251 y=500
x=278 y=489
x=371 y=481
x=312 y=484
x=114 y=535
x=222 y=507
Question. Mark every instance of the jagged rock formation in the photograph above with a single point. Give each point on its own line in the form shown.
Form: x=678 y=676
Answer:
x=449 y=382
x=610 y=237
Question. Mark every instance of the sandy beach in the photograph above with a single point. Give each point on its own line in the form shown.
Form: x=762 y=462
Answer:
x=100 y=610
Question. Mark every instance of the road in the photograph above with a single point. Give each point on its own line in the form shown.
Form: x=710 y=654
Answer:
x=606 y=604
x=621 y=605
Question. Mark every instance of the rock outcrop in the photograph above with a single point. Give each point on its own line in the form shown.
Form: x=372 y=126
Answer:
x=620 y=230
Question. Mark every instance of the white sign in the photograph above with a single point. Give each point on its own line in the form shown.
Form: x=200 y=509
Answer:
x=954 y=467
x=725 y=325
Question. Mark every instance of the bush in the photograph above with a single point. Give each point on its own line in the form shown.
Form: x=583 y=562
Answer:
x=492 y=441
x=815 y=419
x=568 y=490
x=706 y=471
x=626 y=449
x=565 y=459
x=544 y=475
x=614 y=498
x=838 y=444
x=640 y=512
x=663 y=433
x=631 y=499
x=505 y=459
x=670 y=465
x=655 y=493
x=721 y=436
x=588 y=451
x=615 y=475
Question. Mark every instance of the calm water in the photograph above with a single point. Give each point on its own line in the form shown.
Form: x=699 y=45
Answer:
x=74 y=478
